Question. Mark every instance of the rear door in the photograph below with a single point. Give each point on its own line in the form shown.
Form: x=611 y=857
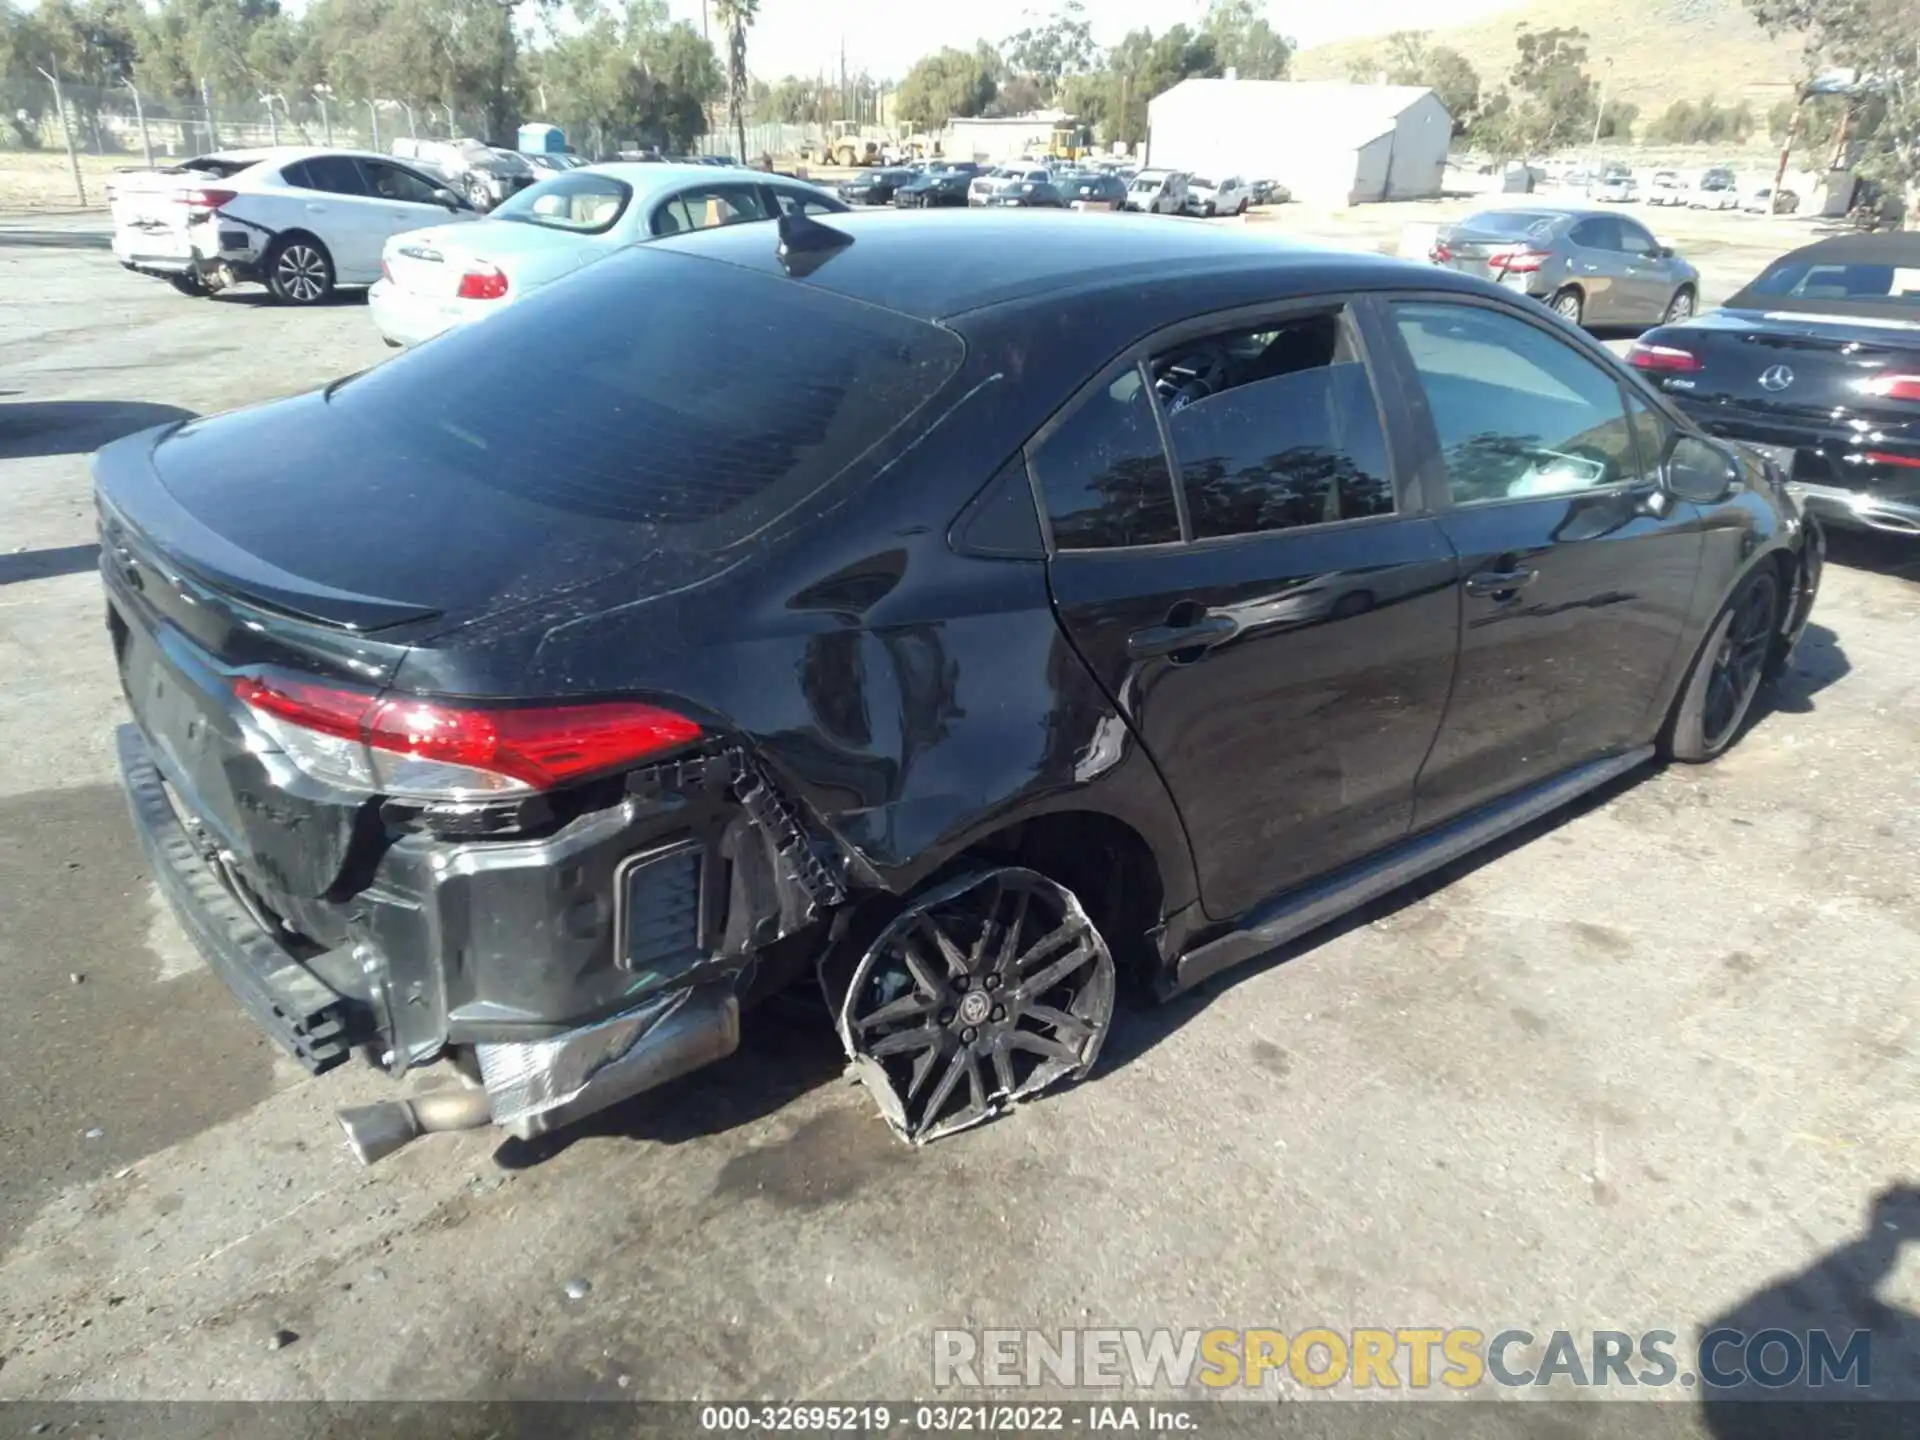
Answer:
x=1597 y=263
x=1236 y=556
x=1577 y=571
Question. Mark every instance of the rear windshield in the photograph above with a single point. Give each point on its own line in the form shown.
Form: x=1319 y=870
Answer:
x=673 y=394
x=583 y=201
x=1508 y=223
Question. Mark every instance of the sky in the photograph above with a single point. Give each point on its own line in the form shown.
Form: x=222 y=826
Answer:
x=885 y=37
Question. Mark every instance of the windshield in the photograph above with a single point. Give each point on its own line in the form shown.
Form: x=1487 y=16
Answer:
x=1808 y=279
x=584 y=202
x=1144 y=184
x=1199 y=184
x=1507 y=224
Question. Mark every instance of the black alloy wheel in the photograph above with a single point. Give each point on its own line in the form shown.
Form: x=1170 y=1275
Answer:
x=986 y=990
x=1728 y=672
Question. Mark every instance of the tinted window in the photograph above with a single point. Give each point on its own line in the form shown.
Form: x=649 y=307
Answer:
x=645 y=420
x=793 y=202
x=396 y=182
x=1640 y=241
x=1519 y=412
x=583 y=201
x=1275 y=428
x=1602 y=232
x=706 y=206
x=1652 y=433
x=336 y=174
x=1104 y=473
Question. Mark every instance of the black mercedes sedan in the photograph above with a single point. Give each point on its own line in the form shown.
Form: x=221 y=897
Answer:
x=1815 y=364
x=962 y=616
x=944 y=186
x=875 y=187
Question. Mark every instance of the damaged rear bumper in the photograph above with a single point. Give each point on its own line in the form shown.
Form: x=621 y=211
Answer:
x=467 y=945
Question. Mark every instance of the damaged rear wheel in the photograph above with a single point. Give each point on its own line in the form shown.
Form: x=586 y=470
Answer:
x=985 y=990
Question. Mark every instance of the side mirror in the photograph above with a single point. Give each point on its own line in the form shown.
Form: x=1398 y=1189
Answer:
x=449 y=198
x=1699 y=471
x=1661 y=252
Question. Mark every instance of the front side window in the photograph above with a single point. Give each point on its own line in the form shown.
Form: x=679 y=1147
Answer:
x=1519 y=413
x=1103 y=473
x=707 y=206
x=1633 y=238
x=1275 y=428
x=1601 y=232
x=396 y=182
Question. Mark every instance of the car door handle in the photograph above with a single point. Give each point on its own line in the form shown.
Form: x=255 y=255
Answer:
x=1500 y=583
x=1202 y=634
x=316 y=207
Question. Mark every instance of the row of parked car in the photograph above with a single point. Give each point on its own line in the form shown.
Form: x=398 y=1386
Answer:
x=1716 y=189
x=1057 y=184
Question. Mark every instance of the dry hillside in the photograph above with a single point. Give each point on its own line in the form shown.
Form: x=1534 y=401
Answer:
x=1662 y=50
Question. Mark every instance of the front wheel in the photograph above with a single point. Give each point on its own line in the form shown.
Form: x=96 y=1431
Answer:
x=1727 y=672
x=1242 y=208
x=982 y=991
x=1679 y=308
x=299 y=271
x=1569 y=305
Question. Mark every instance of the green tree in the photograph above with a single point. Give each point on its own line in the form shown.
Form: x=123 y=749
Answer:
x=1407 y=59
x=1553 y=101
x=735 y=18
x=1244 y=41
x=945 y=84
x=1879 y=41
x=1047 y=54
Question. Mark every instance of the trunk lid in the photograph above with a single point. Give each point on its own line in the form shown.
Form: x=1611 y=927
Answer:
x=148 y=206
x=1797 y=367
x=432 y=261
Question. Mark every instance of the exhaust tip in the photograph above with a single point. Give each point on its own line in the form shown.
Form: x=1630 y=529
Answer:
x=376 y=1131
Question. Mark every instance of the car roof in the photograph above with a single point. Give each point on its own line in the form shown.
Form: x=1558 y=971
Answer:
x=261 y=154
x=936 y=265
x=652 y=178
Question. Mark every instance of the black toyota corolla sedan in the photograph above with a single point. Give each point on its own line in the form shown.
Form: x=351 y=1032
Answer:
x=1816 y=364
x=967 y=615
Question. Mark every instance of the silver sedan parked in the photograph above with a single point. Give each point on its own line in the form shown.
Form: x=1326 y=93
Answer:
x=1595 y=267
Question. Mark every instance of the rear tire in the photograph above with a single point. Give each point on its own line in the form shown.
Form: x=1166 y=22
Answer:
x=1727 y=673
x=1569 y=304
x=981 y=991
x=299 y=270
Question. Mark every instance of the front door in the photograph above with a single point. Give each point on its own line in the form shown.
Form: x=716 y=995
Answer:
x=403 y=200
x=1577 y=570
x=1234 y=560
x=1651 y=277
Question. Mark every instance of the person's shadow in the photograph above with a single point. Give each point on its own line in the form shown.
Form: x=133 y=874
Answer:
x=1839 y=1361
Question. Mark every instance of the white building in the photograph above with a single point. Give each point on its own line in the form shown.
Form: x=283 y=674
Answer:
x=1006 y=137
x=1329 y=143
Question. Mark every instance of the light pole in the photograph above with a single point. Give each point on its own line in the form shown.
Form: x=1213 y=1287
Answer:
x=1599 y=114
x=321 y=93
x=140 y=118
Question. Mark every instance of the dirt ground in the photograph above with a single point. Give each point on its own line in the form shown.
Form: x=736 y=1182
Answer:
x=1651 y=1066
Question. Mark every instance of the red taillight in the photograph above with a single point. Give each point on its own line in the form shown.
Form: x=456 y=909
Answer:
x=403 y=745
x=1440 y=254
x=1894 y=387
x=1663 y=359
x=1887 y=457
x=1519 y=262
x=386 y=270
x=201 y=198
x=483 y=282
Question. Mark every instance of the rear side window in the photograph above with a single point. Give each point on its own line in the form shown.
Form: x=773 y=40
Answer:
x=1275 y=428
x=335 y=174
x=1103 y=473
x=1520 y=413
x=673 y=394
x=1805 y=280
x=706 y=206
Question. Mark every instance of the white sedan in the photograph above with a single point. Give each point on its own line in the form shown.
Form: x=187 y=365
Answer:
x=447 y=275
